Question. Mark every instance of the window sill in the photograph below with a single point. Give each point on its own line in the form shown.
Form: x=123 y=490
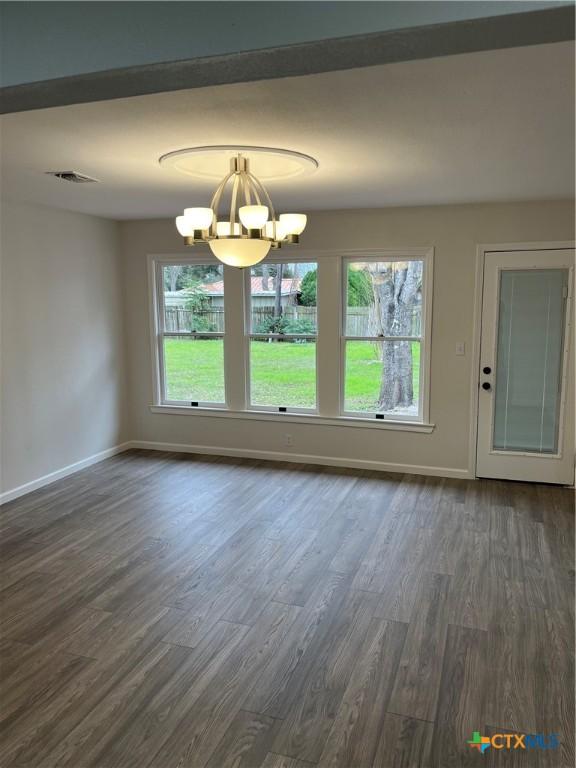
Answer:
x=296 y=418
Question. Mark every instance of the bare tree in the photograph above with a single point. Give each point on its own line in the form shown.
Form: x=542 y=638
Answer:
x=396 y=292
x=278 y=297
x=174 y=272
x=265 y=277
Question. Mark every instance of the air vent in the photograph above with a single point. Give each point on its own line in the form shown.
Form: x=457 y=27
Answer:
x=77 y=178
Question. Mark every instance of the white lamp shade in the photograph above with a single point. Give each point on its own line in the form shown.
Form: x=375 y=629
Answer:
x=199 y=218
x=293 y=223
x=239 y=253
x=253 y=216
x=183 y=226
x=277 y=233
x=223 y=229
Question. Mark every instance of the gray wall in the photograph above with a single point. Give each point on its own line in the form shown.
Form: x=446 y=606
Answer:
x=62 y=341
x=45 y=40
x=75 y=310
x=454 y=231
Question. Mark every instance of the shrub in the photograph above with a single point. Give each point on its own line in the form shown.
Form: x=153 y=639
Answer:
x=299 y=326
x=201 y=324
x=271 y=324
x=308 y=289
x=284 y=325
x=359 y=289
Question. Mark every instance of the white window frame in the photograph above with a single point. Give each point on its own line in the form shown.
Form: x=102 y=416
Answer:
x=273 y=259
x=426 y=257
x=330 y=356
x=159 y=333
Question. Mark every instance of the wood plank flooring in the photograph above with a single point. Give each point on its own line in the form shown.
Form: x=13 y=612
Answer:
x=177 y=611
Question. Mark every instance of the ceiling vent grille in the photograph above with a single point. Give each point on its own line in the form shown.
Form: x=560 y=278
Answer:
x=74 y=176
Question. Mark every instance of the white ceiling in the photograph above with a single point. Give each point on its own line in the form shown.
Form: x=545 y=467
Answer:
x=489 y=126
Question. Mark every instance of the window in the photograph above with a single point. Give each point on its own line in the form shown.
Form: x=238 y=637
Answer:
x=282 y=336
x=191 y=333
x=382 y=338
x=245 y=343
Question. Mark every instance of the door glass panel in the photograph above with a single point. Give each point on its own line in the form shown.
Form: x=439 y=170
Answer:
x=529 y=360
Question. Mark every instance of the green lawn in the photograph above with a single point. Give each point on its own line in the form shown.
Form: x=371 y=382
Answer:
x=281 y=373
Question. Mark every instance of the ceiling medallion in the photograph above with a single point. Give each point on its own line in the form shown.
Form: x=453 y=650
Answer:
x=210 y=163
x=245 y=235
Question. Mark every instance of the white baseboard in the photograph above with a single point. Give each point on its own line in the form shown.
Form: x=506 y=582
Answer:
x=304 y=458
x=33 y=485
x=248 y=453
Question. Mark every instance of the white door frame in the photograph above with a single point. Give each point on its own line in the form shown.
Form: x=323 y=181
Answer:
x=481 y=251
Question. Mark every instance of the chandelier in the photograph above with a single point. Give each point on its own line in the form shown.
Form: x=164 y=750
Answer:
x=244 y=236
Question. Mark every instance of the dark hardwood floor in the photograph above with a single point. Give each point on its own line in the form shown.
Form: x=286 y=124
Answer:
x=176 y=611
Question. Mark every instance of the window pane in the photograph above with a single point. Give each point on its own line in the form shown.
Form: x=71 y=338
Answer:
x=283 y=298
x=529 y=369
x=283 y=372
x=194 y=369
x=384 y=298
x=382 y=376
x=193 y=298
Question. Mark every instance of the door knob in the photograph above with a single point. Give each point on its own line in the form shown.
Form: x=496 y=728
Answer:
x=486 y=369
x=486 y=385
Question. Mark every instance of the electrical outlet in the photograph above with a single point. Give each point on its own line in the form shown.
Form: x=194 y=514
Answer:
x=460 y=348
x=288 y=440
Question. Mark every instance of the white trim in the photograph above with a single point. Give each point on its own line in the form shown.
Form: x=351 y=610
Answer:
x=58 y=474
x=297 y=417
x=475 y=359
x=157 y=363
x=548 y=245
x=337 y=258
x=303 y=458
x=481 y=250
x=236 y=351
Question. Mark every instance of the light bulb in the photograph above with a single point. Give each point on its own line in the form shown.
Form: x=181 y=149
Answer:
x=294 y=223
x=276 y=234
x=253 y=216
x=223 y=229
x=184 y=227
x=239 y=253
x=199 y=218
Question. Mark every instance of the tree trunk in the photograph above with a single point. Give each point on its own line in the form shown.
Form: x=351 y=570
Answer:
x=278 y=298
x=395 y=297
x=173 y=272
x=265 y=277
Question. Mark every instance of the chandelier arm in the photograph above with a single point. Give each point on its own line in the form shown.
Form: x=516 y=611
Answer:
x=258 y=185
x=246 y=190
x=215 y=202
x=235 y=187
x=216 y=197
x=253 y=187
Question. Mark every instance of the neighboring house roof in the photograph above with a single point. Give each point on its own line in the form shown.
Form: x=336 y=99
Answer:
x=290 y=285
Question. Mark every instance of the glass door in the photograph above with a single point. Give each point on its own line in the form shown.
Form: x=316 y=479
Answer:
x=525 y=410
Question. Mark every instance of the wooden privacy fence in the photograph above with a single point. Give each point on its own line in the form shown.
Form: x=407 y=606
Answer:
x=178 y=319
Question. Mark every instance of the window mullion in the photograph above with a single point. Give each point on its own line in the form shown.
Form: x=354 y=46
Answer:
x=383 y=338
x=235 y=347
x=328 y=338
